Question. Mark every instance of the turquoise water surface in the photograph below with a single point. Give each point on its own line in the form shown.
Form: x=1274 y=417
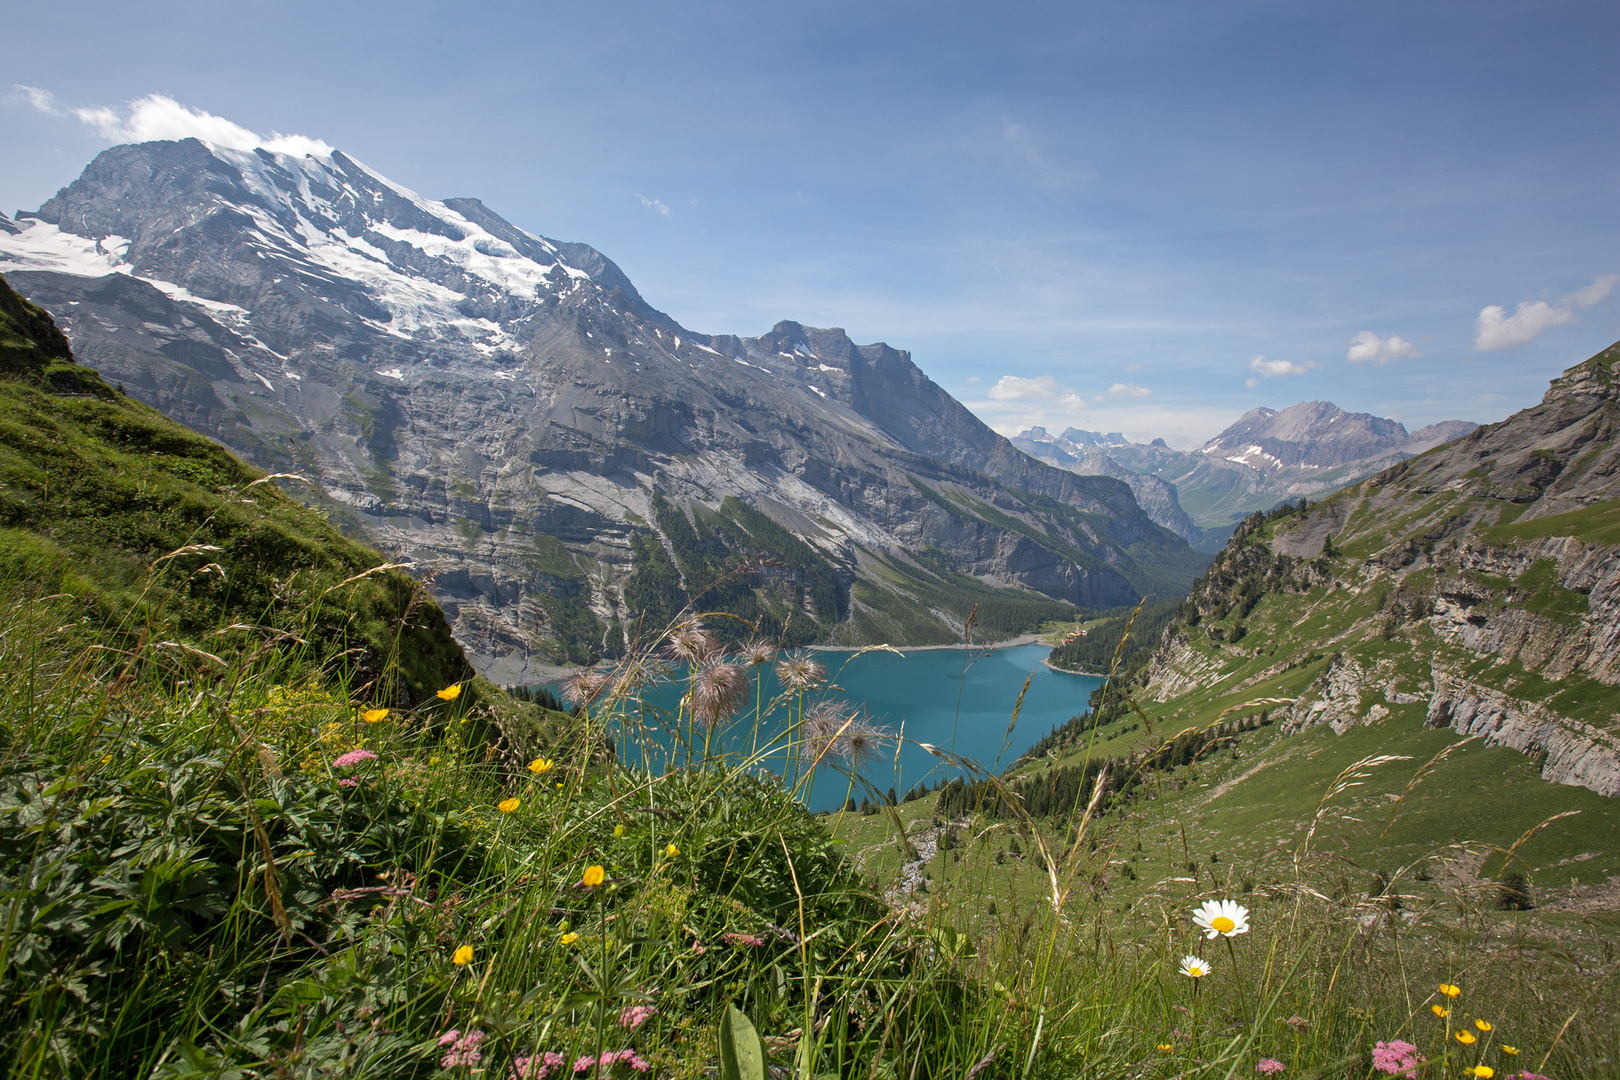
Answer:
x=954 y=699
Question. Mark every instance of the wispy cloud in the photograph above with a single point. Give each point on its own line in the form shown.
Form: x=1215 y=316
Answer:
x=1497 y=331
x=654 y=204
x=157 y=116
x=43 y=100
x=1129 y=390
x=1368 y=348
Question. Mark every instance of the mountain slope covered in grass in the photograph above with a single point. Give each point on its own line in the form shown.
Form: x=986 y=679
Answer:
x=1463 y=606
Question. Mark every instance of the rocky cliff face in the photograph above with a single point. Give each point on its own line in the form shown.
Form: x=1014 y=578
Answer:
x=1482 y=578
x=507 y=412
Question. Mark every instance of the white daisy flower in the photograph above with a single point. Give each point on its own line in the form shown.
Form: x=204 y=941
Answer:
x=1218 y=917
x=1194 y=967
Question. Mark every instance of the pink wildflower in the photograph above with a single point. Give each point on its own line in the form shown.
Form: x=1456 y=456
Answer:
x=537 y=1067
x=348 y=781
x=353 y=757
x=744 y=939
x=635 y=1015
x=463 y=1049
x=584 y=1063
x=1269 y=1066
x=1397 y=1057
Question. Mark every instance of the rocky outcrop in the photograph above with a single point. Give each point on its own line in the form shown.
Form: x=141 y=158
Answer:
x=1573 y=752
x=1178 y=668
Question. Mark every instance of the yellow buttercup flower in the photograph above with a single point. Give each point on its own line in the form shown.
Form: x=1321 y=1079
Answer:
x=541 y=765
x=506 y=806
x=1440 y=1010
x=450 y=693
x=1484 y=1072
x=1449 y=990
x=1506 y=1049
x=373 y=716
x=1166 y=1047
x=1483 y=1025
x=569 y=938
x=463 y=956
x=593 y=877
x=618 y=830
x=1466 y=1038
x=672 y=851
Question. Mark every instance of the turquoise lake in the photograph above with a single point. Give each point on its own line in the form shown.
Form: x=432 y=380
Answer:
x=954 y=699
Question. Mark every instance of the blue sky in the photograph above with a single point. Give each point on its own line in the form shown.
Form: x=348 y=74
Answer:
x=1137 y=217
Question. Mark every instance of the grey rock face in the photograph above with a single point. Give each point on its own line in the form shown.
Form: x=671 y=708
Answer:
x=1155 y=496
x=460 y=389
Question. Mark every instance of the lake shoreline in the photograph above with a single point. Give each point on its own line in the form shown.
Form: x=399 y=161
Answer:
x=1067 y=671
x=1009 y=643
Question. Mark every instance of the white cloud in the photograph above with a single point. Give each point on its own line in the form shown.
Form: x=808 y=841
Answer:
x=1013 y=388
x=1128 y=390
x=1368 y=347
x=157 y=116
x=1268 y=369
x=1017 y=402
x=654 y=204
x=1497 y=331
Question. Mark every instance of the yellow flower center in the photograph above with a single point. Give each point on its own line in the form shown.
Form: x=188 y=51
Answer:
x=1223 y=924
x=1195 y=972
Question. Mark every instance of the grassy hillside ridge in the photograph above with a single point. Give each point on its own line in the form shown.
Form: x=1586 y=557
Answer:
x=97 y=491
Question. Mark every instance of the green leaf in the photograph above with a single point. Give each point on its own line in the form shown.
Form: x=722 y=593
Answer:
x=742 y=1051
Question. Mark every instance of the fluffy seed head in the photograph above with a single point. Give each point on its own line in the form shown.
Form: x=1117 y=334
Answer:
x=800 y=673
x=718 y=691
x=691 y=644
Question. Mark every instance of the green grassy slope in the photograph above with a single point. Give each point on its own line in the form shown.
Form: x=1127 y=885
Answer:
x=97 y=493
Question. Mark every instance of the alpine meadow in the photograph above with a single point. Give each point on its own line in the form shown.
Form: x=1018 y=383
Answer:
x=984 y=652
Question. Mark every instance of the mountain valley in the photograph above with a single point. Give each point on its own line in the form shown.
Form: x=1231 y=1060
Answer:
x=507 y=413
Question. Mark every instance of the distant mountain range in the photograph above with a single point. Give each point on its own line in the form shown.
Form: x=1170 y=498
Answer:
x=1267 y=457
x=565 y=462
